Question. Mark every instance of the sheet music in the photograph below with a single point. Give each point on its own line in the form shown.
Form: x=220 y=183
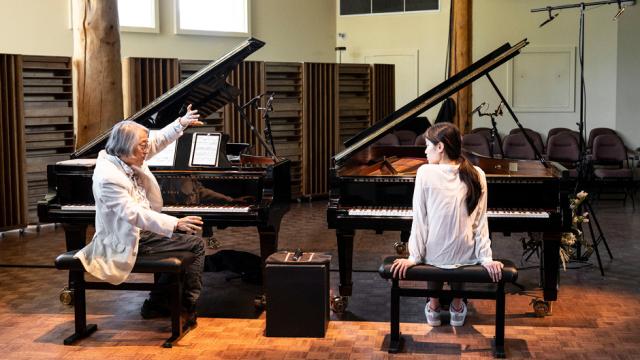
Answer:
x=166 y=157
x=204 y=149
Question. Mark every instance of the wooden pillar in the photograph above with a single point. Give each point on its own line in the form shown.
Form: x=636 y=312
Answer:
x=97 y=70
x=461 y=58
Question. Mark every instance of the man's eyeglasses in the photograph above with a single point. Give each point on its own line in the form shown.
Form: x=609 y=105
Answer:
x=144 y=146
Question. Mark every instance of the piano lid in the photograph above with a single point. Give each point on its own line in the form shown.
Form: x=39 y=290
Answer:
x=428 y=100
x=207 y=90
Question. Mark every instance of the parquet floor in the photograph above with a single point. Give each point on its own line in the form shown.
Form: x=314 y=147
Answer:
x=594 y=318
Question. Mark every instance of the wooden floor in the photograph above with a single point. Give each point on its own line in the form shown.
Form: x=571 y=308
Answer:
x=594 y=318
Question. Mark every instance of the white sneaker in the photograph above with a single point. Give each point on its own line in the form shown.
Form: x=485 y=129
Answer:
x=457 y=318
x=433 y=316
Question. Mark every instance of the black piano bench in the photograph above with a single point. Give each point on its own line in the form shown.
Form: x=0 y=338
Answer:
x=172 y=263
x=467 y=274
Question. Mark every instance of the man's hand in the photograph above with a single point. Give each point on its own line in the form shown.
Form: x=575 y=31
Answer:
x=495 y=270
x=400 y=266
x=190 y=118
x=190 y=224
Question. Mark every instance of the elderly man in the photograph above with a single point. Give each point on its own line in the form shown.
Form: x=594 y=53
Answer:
x=128 y=219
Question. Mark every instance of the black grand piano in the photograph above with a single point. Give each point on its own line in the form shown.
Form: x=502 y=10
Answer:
x=371 y=187
x=244 y=191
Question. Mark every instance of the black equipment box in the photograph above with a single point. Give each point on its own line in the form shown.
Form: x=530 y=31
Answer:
x=297 y=294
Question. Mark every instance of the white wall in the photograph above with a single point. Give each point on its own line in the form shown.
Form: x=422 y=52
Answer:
x=498 y=21
x=293 y=30
x=628 y=96
x=494 y=23
x=424 y=33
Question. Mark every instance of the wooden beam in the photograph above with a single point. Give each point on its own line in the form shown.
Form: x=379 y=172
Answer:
x=461 y=58
x=97 y=70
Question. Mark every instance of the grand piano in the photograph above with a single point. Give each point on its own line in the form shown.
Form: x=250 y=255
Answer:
x=242 y=190
x=371 y=187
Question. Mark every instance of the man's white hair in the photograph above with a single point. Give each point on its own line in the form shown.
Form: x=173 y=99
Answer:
x=123 y=138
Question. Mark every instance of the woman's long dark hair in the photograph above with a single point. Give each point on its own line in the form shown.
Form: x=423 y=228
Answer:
x=449 y=135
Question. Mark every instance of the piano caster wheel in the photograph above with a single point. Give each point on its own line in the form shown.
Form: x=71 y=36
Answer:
x=339 y=304
x=541 y=308
x=401 y=247
x=260 y=302
x=66 y=296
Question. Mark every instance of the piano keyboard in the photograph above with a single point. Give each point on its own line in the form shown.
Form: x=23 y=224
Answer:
x=172 y=209
x=408 y=212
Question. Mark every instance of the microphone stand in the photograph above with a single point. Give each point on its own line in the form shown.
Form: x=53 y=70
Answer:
x=582 y=159
x=494 y=129
x=267 y=122
x=242 y=111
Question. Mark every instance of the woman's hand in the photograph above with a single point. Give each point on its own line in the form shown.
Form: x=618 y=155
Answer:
x=400 y=266
x=190 y=118
x=495 y=270
x=189 y=224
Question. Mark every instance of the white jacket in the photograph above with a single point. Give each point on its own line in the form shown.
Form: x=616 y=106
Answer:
x=120 y=216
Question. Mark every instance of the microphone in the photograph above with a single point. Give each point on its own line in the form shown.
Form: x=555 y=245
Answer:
x=551 y=17
x=252 y=101
x=268 y=106
x=477 y=109
x=620 y=11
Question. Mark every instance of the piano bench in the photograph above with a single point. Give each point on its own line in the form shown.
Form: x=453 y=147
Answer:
x=172 y=263
x=467 y=274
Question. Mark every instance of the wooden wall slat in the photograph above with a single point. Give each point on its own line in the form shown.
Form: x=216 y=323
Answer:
x=186 y=68
x=249 y=77
x=354 y=100
x=320 y=118
x=48 y=121
x=382 y=91
x=145 y=79
x=13 y=200
x=284 y=80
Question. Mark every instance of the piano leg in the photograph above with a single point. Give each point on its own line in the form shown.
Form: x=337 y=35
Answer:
x=75 y=236
x=551 y=263
x=345 y=260
x=268 y=241
x=548 y=273
x=268 y=245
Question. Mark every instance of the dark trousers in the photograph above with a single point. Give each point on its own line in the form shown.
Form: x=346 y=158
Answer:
x=437 y=285
x=152 y=243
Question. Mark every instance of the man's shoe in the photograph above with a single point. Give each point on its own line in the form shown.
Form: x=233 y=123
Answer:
x=433 y=316
x=151 y=310
x=457 y=317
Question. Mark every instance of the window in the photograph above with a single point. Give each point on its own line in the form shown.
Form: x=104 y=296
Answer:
x=213 y=17
x=138 y=15
x=367 y=7
x=133 y=15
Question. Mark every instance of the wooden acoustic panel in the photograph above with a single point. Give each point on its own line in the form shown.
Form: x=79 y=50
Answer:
x=382 y=91
x=354 y=105
x=284 y=81
x=248 y=76
x=48 y=116
x=13 y=207
x=213 y=119
x=145 y=79
x=320 y=135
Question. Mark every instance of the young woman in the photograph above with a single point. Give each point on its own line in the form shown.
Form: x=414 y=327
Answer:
x=449 y=227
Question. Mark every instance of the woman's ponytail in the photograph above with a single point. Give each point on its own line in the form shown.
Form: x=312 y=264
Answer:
x=449 y=135
x=469 y=176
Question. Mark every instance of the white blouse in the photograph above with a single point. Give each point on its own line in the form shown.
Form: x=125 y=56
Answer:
x=442 y=232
